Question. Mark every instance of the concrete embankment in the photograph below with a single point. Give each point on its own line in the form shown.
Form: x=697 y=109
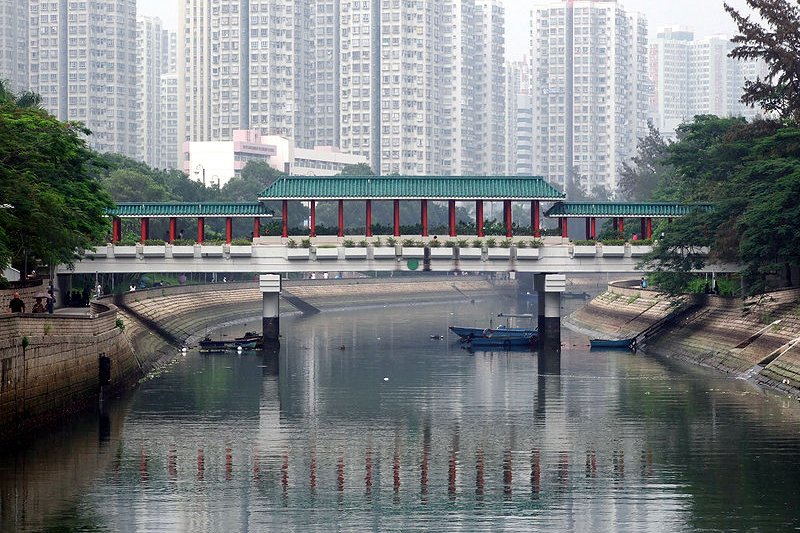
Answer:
x=183 y=313
x=752 y=338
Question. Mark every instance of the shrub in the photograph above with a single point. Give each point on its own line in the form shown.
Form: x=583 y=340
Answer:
x=505 y=243
x=450 y=243
x=613 y=242
x=536 y=243
x=306 y=243
x=349 y=243
x=154 y=242
x=126 y=242
x=462 y=243
x=477 y=243
x=213 y=242
x=241 y=242
x=363 y=243
x=377 y=241
x=409 y=242
x=183 y=242
x=434 y=243
x=391 y=241
x=585 y=242
x=291 y=243
x=522 y=244
x=491 y=242
x=642 y=242
x=120 y=324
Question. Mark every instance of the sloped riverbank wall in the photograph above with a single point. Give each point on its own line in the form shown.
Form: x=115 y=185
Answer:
x=751 y=338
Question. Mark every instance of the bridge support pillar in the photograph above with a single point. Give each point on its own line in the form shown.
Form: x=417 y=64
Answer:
x=270 y=285
x=549 y=288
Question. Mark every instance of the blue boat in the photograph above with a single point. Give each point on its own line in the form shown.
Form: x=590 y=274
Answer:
x=467 y=333
x=627 y=344
x=501 y=338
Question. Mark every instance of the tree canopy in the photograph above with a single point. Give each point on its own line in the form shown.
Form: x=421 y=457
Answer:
x=776 y=41
x=55 y=204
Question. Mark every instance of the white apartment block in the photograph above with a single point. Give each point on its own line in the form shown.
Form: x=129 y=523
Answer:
x=589 y=89
x=696 y=77
x=83 y=63
x=325 y=73
x=519 y=119
x=489 y=88
x=169 y=121
x=149 y=68
x=14 y=44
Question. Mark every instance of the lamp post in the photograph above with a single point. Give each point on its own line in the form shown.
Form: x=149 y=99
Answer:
x=201 y=169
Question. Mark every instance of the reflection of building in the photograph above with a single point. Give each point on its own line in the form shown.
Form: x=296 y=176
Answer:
x=216 y=162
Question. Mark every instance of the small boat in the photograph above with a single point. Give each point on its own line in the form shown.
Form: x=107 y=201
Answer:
x=251 y=336
x=501 y=338
x=467 y=333
x=628 y=344
x=207 y=345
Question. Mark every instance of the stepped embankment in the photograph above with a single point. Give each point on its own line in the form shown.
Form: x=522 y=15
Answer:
x=756 y=338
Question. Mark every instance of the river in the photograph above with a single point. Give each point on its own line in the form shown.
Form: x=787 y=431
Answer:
x=401 y=432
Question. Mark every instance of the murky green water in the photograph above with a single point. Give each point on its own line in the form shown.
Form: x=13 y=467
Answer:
x=399 y=432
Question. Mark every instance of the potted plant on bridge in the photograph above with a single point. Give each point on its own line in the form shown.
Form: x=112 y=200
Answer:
x=379 y=251
x=612 y=247
x=413 y=249
x=584 y=248
x=352 y=251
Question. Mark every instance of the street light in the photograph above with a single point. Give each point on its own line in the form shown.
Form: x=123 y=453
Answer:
x=198 y=169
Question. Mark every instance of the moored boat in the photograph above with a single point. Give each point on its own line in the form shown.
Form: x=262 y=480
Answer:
x=208 y=345
x=628 y=344
x=501 y=331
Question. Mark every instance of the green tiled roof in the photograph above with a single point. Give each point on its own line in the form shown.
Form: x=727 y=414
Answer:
x=623 y=209
x=411 y=188
x=188 y=210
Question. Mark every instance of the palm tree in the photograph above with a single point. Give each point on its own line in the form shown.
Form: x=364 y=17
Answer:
x=25 y=99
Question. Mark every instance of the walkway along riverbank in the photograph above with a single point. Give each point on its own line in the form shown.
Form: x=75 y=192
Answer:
x=752 y=338
x=52 y=365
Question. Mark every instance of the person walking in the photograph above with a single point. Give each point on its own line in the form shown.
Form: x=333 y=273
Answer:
x=16 y=305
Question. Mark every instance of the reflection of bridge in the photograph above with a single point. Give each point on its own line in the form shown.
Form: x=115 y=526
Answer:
x=366 y=252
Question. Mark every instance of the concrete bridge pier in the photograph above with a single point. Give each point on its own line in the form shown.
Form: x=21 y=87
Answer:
x=270 y=285
x=549 y=288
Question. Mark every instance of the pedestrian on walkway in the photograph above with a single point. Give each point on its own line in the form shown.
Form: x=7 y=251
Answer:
x=16 y=305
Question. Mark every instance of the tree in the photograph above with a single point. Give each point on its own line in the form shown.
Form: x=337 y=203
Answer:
x=361 y=169
x=256 y=176
x=777 y=42
x=133 y=186
x=58 y=205
x=648 y=170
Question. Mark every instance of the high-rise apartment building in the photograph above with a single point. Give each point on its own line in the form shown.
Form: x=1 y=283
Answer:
x=489 y=88
x=14 y=43
x=150 y=58
x=589 y=89
x=696 y=77
x=519 y=119
x=83 y=63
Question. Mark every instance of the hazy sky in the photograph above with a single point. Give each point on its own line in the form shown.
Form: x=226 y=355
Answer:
x=705 y=16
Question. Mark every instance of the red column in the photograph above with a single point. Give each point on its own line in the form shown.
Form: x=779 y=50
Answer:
x=423 y=207
x=285 y=218
x=173 y=222
x=256 y=227
x=228 y=229
x=563 y=223
x=535 y=220
x=341 y=218
x=451 y=212
x=507 y=217
x=368 y=219
x=312 y=231
x=116 y=229
x=145 y=229
x=479 y=217
x=593 y=228
x=201 y=230
x=621 y=227
x=648 y=228
x=397 y=218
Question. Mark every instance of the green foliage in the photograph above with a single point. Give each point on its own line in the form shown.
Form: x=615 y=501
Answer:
x=491 y=242
x=349 y=243
x=119 y=324
x=391 y=241
x=58 y=204
x=305 y=243
x=291 y=243
x=536 y=243
x=361 y=169
x=153 y=242
x=613 y=242
x=522 y=244
x=363 y=243
x=241 y=242
x=640 y=178
x=434 y=243
x=585 y=242
x=183 y=242
x=642 y=242
x=409 y=242
x=462 y=243
x=377 y=241
x=771 y=36
x=477 y=243
x=25 y=342
x=505 y=243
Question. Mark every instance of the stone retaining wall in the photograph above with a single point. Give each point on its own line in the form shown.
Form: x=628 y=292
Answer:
x=49 y=365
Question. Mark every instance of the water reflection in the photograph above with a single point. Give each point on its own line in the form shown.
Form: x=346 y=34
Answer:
x=400 y=432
